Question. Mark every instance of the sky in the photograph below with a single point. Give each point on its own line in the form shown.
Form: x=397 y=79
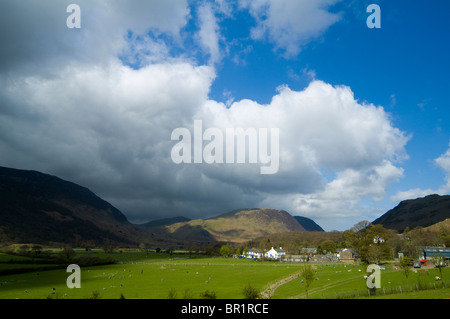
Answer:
x=361 y=112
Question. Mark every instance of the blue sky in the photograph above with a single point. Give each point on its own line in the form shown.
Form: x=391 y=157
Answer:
x=362 y=112
x=403 y=67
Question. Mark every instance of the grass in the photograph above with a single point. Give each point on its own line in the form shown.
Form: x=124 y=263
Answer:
x=149 y=278
x=337 y=281
x=149 y=275
x=438 y=293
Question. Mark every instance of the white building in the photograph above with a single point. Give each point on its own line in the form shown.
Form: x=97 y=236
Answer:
x=254 y=253
x=275 y=253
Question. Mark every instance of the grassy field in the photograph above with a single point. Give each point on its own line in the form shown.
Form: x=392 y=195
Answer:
x=338 y=281
x=142 y=275
x=153 y=276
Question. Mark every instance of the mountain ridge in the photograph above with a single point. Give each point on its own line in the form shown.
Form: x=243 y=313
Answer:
x=235 y=226
x=423 y=212
x=38 y=207
x=42 y=208
x=308 y=224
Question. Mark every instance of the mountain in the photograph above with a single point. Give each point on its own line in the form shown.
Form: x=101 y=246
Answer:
x=164 y=222
x=423 y=212
x=40 y=208
x=45 y=209
x=308 y=224
x=438 y=226
x=235 y=226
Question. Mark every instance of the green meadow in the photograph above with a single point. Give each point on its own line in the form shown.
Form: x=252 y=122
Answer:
x=150 y=275
x=338 y=281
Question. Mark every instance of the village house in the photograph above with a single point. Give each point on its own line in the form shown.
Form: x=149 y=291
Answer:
x=294 y=258
x=346 y=256
x=253 y=253
x=323 y=258
x=275 y=253
x=309 y=251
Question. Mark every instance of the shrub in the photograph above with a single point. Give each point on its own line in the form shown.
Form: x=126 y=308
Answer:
x=172 y=294
x=208 y=294
x=250 y=292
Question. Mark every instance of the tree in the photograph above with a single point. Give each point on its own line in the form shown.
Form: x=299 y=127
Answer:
x=23 y=249
x=360 y=226
x=192 y=247
x=328 y=245
x=226 y=250
x=250 y=292
x=370 y=241
x=374 y=254
x=349 y=238
x=439 y=262
x=68 y=253
x=405 y=265
x=444 y=235
x=36 y=250
x=108 y=246
x=307 y=273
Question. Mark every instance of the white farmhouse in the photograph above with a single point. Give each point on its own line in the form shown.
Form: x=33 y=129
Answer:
x=275 y=253
x=254 y=253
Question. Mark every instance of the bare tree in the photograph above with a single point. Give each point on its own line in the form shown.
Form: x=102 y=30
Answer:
x=308 y=274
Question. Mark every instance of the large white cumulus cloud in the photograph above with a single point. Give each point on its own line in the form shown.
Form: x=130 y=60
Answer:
x=35 y=37
x=334 y=151
x=70 y=107
x=115 y=124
